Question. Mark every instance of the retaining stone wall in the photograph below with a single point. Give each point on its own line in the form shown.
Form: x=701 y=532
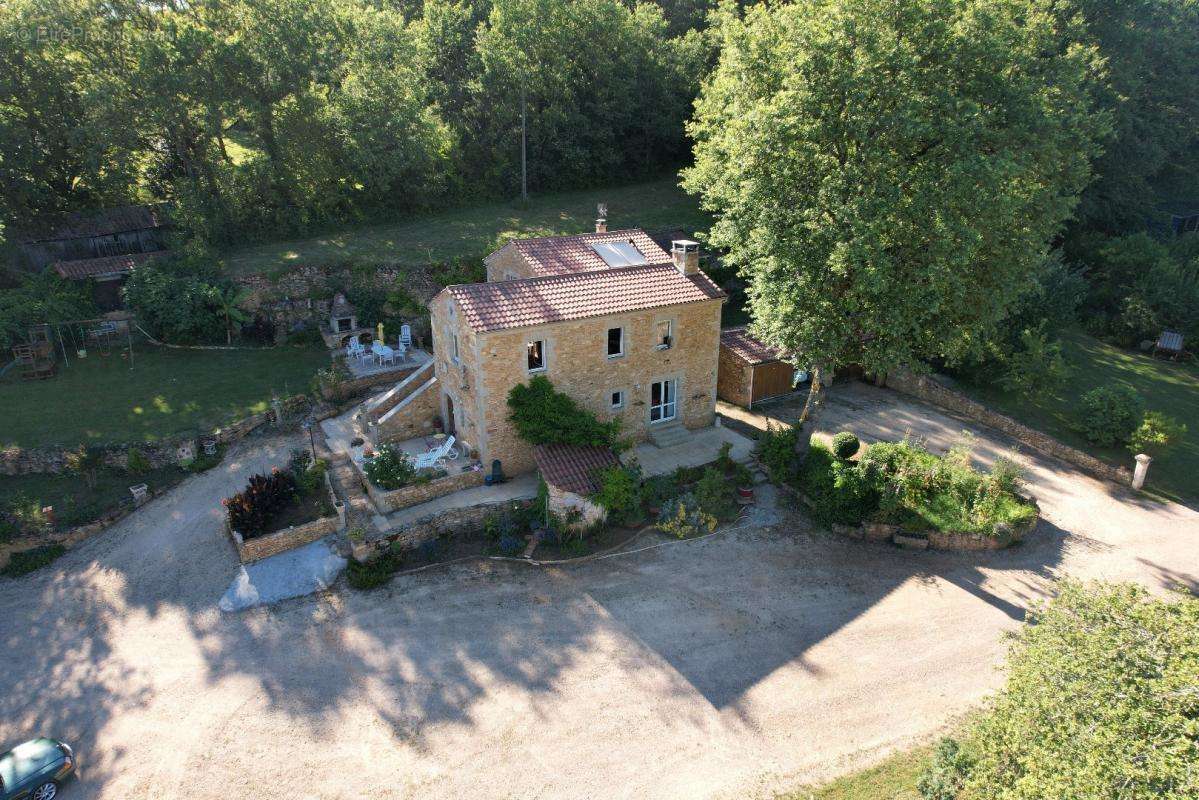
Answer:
x=929 y=390
x=447 y=523
x=42 y=460
x=408 y=496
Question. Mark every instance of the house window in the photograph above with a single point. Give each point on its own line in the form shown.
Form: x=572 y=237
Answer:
x=536 y=351
x=663 y=335
x=617 y=400
x=454 y=337
x=615 y=342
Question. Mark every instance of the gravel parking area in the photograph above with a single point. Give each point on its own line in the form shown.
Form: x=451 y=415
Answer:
x=735 y=666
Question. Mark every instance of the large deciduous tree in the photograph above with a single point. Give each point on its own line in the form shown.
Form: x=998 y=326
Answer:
x=887 y=174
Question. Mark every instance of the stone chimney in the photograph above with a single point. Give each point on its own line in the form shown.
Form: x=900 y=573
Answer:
x=601 y=225
x=685 y=254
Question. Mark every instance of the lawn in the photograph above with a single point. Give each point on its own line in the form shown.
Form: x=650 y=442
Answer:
x=473 y=231
x=103 y=400
x=892 y=779
x=22 y=496
x=1164 y=385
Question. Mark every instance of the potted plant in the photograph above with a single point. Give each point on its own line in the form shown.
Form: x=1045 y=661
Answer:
x=745 y=484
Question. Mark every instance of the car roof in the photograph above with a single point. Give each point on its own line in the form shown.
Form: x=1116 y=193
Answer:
x=26 y=759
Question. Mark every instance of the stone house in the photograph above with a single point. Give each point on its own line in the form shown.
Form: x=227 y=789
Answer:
x=626 y=329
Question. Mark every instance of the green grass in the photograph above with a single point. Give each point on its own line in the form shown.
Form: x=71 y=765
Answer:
x=22 y=496
x=24 y=562
x=892 y=779
x=102 y=400
x=1166 y=386
x=475 y=230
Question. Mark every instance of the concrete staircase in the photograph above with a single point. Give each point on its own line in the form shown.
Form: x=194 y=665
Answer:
x=669 y=434
x=374 y=409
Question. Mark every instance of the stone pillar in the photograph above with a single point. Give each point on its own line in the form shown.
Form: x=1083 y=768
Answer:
x=1138 y=477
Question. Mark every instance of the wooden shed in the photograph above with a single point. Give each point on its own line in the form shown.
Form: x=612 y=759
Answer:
x=750 y=371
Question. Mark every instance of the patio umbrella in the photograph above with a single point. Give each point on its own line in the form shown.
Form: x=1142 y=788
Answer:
x=379 y=335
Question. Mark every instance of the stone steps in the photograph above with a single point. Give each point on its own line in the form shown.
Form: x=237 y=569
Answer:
x=669 y=435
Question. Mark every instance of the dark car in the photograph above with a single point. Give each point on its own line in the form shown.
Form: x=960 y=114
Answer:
x=35 y=770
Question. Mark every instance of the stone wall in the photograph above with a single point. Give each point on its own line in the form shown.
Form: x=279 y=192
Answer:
x=506 y=264
x=491 y=364
x=454 y=522
x=174 y=450
x=930 y=391
x=291 y=537
x=413 y=416
x=387 y=501
x=356 y=387
x=563 y=503
x=734 y=382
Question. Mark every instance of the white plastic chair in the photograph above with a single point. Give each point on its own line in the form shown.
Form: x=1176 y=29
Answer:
x=437 y=456
x=384 y=353
x=406 y=337
x=355 y=349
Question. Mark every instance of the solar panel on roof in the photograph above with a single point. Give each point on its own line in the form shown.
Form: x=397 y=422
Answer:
x=619 y=254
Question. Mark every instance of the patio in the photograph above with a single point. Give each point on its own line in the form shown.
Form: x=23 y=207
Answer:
x=700 y=447
x=370 y=365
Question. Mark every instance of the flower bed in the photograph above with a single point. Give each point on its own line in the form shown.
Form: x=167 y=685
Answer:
x=284 y=510
x=902 y=493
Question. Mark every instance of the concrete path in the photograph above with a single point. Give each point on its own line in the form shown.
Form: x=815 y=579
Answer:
x=296 y=573
x=701 y=447
x=522 y=487
x=730 y=667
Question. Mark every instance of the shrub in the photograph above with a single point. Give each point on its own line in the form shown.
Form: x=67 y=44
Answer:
x=510 y=546
x=1099 y=701
x=8 y=531
x=86 y=461
x=543 y=415
x=776 y=449
x=376 y=572
x=716 y=495
x=26 y=561
x=945 y=774
x=137 y=463
x=682 y=517
x=1036 y=366
x=252 y=509
x=845 y=445
x=1108 y=415
x=390 y=468
x=1156 y=434
x=620 y=494
x=724 y=459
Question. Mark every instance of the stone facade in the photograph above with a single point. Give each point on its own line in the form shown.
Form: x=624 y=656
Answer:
x=931 y=391
x=506 y=264
x=477 y=370
x=405 y=497
x=565 y=503
x=453 y=522
x=411 y=417
x=735 y=379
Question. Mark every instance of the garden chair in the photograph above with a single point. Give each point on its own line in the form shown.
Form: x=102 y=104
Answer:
x=406 y=337
x=355 y=349
x=437 y=456
x=383 y=353
x=140 y=493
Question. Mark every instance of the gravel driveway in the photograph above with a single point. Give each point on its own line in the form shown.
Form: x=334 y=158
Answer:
x=730 y=667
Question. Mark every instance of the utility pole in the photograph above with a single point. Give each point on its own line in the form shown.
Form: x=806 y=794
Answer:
x=524 y=172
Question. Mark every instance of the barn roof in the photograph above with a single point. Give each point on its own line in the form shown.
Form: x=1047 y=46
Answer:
x=86 y=224
x=574 y=468
x=83 y=268
x=746 y=348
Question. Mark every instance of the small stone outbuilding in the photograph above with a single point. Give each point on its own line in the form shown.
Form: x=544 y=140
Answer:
x=750 y=371
x=572 y=476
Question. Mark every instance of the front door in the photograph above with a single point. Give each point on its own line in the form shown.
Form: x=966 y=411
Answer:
x=662 y=401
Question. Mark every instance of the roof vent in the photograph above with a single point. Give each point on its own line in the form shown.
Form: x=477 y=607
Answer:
x=685 y=254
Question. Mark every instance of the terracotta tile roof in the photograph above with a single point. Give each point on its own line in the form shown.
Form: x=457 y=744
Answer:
x=563 y=255
x=536 y=301
x=85 y=224
x=107 y=265
x=573 y=468
x=747 y=348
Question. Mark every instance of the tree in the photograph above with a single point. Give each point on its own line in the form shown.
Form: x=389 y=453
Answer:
x=1156 y=434
x=1099 y=702
x=887 y=175
x=229 y=301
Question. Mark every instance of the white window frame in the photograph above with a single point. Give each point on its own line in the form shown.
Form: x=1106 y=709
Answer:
x=620 y=403
x=658 y=343
x=670 y=389
x=544 y=360
x=607 y=340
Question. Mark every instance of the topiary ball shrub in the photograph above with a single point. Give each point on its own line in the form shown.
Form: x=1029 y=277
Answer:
x=1108 y=415
x=845 y=445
